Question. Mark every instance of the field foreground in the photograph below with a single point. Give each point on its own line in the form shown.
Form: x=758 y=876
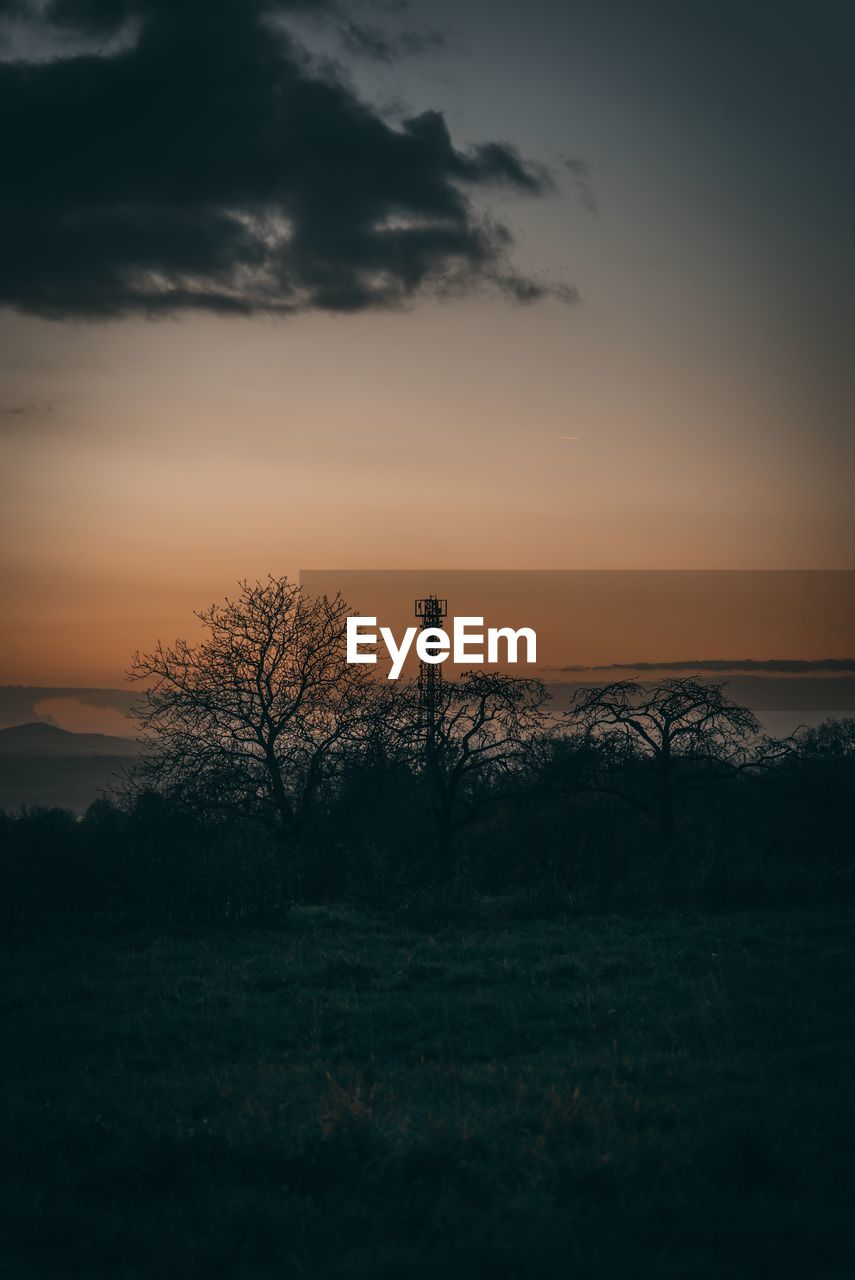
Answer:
x=670 y=1097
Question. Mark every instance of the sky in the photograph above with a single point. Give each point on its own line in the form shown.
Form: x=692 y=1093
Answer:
x=473 y=285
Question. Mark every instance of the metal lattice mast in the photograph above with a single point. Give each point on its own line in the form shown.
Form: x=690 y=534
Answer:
x=431 y=610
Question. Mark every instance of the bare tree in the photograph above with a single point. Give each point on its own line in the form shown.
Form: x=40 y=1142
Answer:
x=252 y=719
x=823 y=768
x=833 y=739
x=485 y=732
x=643 y=743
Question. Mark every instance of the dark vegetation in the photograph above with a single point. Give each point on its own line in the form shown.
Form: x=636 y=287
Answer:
x=272 y=772
x=333 y=990
x=568 y=824
x=562 y=841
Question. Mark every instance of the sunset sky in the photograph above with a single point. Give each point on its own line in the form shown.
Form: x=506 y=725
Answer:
x=261 y=313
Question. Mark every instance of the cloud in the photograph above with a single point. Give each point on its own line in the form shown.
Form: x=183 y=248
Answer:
x=203 y=160
x=26 y=409
x=767 y=666
x=21 y=704
x=581 y=175
x=81 y=715
x=22 y=416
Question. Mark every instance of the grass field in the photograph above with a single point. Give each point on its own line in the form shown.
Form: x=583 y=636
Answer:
x=668 y=1097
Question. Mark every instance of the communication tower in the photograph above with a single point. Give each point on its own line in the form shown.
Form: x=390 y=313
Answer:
x=431 y=610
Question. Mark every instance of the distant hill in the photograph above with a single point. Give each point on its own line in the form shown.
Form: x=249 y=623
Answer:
x=43 y=739
x=46 y=766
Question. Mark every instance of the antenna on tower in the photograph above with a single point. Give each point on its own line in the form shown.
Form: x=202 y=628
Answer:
x=431 y=610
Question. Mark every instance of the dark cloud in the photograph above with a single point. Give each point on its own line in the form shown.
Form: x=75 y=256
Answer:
x=208 y=163
x=26 y=409
x=771 y=666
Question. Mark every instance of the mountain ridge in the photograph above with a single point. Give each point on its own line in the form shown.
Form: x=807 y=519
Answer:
x=37 y=737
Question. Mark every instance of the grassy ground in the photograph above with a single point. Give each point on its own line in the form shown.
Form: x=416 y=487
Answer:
x=667 y=1097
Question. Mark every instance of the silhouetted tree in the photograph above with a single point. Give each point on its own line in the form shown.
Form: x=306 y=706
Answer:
x=832 y=740
x=822 y=768
x=485 y=733
x=254 y=718
x=642 y=743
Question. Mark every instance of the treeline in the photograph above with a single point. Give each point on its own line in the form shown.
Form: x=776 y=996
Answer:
x=554 y=844
x=275 y=772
